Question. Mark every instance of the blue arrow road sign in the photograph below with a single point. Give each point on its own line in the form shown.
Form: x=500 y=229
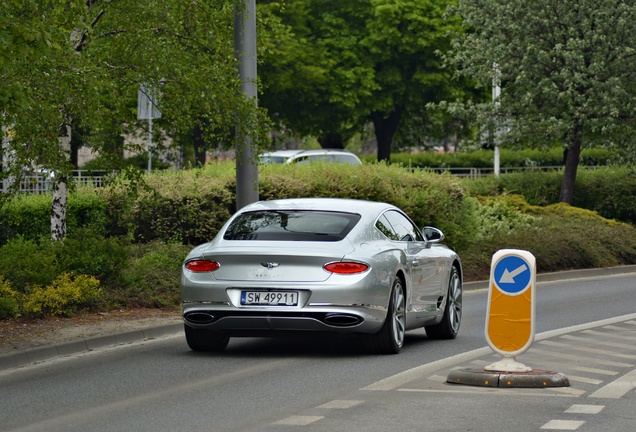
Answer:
x=512 y=274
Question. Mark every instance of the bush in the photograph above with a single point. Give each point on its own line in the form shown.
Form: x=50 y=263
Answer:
x=29 y=215
x=501 y=216
x=153 y=278
x=28 y=262
x=185 y=206
x=8 y=300
x=428 y=198
x=508 y=158
x=610 y=191
x=66 y=296
x=85 y=251
x=560 y=237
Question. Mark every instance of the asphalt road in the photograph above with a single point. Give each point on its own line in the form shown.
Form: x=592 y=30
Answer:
x=313 y=384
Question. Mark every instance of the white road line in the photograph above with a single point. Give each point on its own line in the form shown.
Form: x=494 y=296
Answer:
x=627 y=346
x=397 y=380
x=581 y=358
x=563 y=425
x=404 y=377
x=568 y=367
x=585 y=409
x=584 y=379
x=589 y=350
x=617 y=388
x=340 y=404
x=299 y=420
x=617 y=328
x=621 y=336
x=570 y=391
x=438 y=378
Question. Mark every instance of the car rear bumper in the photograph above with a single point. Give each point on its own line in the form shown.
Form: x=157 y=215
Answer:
x=262 y=321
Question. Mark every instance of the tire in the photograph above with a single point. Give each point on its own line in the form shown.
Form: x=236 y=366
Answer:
x=452 y=318
x=205 y=340
x=390 y=338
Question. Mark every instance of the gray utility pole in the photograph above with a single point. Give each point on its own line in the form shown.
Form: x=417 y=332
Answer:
x=147 y=110
x=245 y=52
x=496 y=92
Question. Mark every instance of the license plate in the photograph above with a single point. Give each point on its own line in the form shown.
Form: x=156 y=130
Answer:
x=269 y=298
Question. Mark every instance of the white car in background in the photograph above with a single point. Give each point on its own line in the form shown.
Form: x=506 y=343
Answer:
x=307 y=156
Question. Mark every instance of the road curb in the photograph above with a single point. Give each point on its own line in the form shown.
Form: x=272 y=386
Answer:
x=36 y=355
x=484 y=378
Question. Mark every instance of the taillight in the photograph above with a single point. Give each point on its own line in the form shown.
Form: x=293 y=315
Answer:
x=200 y=266
x=346 y=267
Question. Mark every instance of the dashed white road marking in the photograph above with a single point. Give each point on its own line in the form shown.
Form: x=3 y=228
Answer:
x=299 y=420
x=585 y=409
x=563 y=425
x=340 y=404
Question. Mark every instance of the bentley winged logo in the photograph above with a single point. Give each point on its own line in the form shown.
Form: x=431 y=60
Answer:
x=270 y=265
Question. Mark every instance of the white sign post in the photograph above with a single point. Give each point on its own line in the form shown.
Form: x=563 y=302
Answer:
x=147 y=110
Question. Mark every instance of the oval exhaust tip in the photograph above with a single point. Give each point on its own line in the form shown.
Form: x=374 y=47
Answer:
x=199 y=317
x=342 y=320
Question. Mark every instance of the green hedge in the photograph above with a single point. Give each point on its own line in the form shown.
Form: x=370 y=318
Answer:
x=191 y=206
x=30 y=215
x=185 y=206
x=610 y=191
x=485 y=158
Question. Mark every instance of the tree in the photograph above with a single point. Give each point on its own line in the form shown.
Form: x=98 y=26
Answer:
x=86 y=72
x=567 y=70
x=336 y=66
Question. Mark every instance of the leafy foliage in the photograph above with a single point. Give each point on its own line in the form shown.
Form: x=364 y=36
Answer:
x=153 y=278
x=66 y=296
x=331 y=67
x=565 y=69
x=8 y=300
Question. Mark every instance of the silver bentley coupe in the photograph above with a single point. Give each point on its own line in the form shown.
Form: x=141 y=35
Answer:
x=321 y=265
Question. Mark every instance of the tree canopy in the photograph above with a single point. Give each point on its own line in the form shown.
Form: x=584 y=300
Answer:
x=84 y=61
x=566 y=67
x=336 y=66
x=72 y=70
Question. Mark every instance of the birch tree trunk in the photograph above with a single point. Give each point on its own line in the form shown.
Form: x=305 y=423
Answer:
x=60 y=189
x=7 y=159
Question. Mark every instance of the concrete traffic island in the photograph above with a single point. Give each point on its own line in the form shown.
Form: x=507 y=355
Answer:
x=535 y=378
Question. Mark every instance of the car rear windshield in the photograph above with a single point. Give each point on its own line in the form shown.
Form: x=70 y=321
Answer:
x=297 y=225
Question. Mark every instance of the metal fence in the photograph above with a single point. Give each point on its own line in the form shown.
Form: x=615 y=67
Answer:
x=485 y=172
x=43 y=183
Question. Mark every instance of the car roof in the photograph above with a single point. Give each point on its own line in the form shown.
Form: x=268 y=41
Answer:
x=283 y=153
x=290 y=155
x=321 y=204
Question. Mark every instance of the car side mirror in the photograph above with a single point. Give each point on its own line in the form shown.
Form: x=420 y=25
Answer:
x=432 y=234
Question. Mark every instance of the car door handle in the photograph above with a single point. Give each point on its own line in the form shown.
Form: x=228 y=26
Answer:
x=415 y=263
